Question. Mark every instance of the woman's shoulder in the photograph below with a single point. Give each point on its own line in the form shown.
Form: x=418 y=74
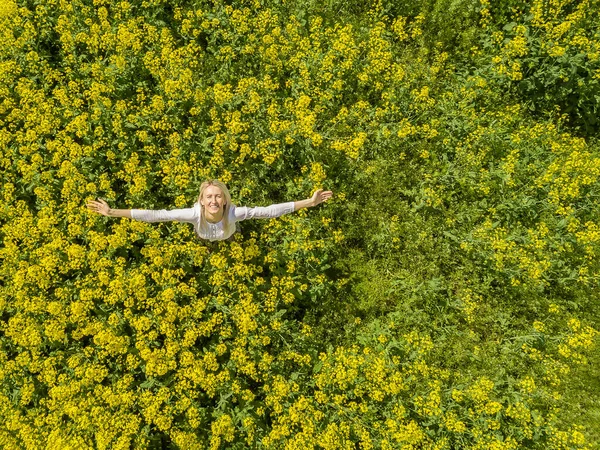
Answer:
x=232 y=211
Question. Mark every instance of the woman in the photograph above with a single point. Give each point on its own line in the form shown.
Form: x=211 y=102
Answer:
x=214 y=216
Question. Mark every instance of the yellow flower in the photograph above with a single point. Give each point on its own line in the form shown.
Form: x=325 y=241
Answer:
x=539 y=326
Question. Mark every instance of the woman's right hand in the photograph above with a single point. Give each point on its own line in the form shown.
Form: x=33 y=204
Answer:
x=101 y=207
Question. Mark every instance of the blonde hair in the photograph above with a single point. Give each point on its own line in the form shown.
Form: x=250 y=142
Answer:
x=220 y=185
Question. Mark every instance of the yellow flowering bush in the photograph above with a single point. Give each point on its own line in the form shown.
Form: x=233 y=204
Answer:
x=440 y=300
x=550 y=54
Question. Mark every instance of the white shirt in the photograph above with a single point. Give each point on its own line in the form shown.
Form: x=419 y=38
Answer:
x=216 y=231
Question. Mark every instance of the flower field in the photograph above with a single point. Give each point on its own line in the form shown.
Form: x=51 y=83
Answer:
x=446 y=297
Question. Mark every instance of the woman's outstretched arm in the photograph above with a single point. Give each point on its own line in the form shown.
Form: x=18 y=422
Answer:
x=146 y=215
x=318 y=197
x=101 y=207
x=270 y=212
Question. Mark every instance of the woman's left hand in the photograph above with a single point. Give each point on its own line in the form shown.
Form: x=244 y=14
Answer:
x=320 y=196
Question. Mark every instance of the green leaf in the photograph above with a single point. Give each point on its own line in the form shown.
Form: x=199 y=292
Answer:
x=317 y=367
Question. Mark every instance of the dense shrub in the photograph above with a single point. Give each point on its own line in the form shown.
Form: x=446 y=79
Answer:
x=443 y=299
x=549 y=55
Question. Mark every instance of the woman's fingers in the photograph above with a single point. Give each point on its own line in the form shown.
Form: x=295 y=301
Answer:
x=98 y=206
x=320 y=196
x=326 y=195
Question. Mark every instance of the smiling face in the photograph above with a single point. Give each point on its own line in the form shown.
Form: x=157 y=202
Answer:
x=213 y=201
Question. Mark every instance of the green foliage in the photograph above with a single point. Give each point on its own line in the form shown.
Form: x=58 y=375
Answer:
x=444 y=298
x=549 y=57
